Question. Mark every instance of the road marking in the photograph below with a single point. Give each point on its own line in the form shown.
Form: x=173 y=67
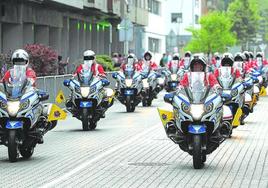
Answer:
x=96 y=158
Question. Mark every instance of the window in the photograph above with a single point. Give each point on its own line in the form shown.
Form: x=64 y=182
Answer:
x=176 y=17
x=196 y=19
x=154 y=6
x=154 y=44
x=91 y=1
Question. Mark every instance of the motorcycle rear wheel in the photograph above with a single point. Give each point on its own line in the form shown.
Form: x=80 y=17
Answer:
x=198 y=159
x=12 y=146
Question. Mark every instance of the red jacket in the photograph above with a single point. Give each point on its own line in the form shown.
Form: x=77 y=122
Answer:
x=97 y=70
x=30 y=74
x=153 y=65
x=211 y=80
x=137 y=67
x=169 y=64
x=235 y=72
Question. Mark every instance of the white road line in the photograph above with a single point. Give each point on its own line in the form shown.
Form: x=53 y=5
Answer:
x=96 y=158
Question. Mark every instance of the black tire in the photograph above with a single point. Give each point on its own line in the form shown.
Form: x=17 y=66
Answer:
x=53 y=125
x=92 y=125
x=85 y=120
x=129 y=106
x=197 y=152
x=12 y=146
x=204 y=157
x=26 y=152
x=149 y=102
x=144 y=103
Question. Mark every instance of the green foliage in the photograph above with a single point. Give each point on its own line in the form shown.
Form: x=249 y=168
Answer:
x=214 y=35
x=106 y=62
x=245 y=17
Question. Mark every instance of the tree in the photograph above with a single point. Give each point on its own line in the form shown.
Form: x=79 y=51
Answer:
x=43 y=59
x=245 y=17
x=214 y=36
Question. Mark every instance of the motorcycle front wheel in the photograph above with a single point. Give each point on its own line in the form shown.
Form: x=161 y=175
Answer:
x=85 y=120
x=12 y=146
x=129 y=106
x=198 y=158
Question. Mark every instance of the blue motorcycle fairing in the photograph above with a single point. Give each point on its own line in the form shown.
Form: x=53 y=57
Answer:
x=197 y=129
x=14 y=125
x=86 y=104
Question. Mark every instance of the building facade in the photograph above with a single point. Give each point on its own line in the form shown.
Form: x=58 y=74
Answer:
x=180 y=16
x=68 y=26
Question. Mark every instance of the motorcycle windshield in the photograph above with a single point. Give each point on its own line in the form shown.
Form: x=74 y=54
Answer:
x=174 y=67
x=85 y=77
x=226 y=80
x=146 y=69
x=129 y=72
x=17 y=83
x=197 y=90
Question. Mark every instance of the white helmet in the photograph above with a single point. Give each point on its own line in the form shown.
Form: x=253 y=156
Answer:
x=89 y=57
x=148 y=55
x=20 y=57
x=131 y=58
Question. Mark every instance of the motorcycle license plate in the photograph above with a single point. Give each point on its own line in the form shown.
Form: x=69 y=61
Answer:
x=173 y=84
x=196 y=129
x=14 y=124
x=86 y=104
x=129 y=92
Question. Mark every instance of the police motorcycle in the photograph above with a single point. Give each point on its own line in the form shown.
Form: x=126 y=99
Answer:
x=88 y=100
x=129 y=84
x=196 y=119
x=24 y=119
x=171 y=77
x=237 y=107
x=151 y=85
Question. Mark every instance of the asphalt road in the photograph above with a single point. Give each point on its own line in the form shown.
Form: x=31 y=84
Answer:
x=132 y=150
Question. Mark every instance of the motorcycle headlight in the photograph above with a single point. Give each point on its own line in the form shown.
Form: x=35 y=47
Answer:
x=174 y=77
x=24 y=105
x=84 y=91
x=209 y=107
x=234 y=92
x=128 y=82
x=13 y=107
x=145 y=83
x=185 y=107
x=197 y=111
x=161 y=81
x=3 y=104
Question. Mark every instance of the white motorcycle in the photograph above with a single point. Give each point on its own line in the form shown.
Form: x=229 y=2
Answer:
x=129 y=84
x=196 y=119
x=23 y=118
x=86 y=100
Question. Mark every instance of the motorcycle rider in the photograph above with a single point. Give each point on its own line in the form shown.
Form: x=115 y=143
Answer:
x=199 y=65
x=228 y=62
x=90 y=63
x=215 y=62
x=260 y=61
x=147 y=62
x=131 y=61
x=20 y=60
x=239 y=63
x=174 y=62
x=185 y=63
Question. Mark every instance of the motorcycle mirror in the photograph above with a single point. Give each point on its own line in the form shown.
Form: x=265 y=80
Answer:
x=105 y=82
x=66 y=82
x=114 y=75
x=168 y=98
x=43 y=96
